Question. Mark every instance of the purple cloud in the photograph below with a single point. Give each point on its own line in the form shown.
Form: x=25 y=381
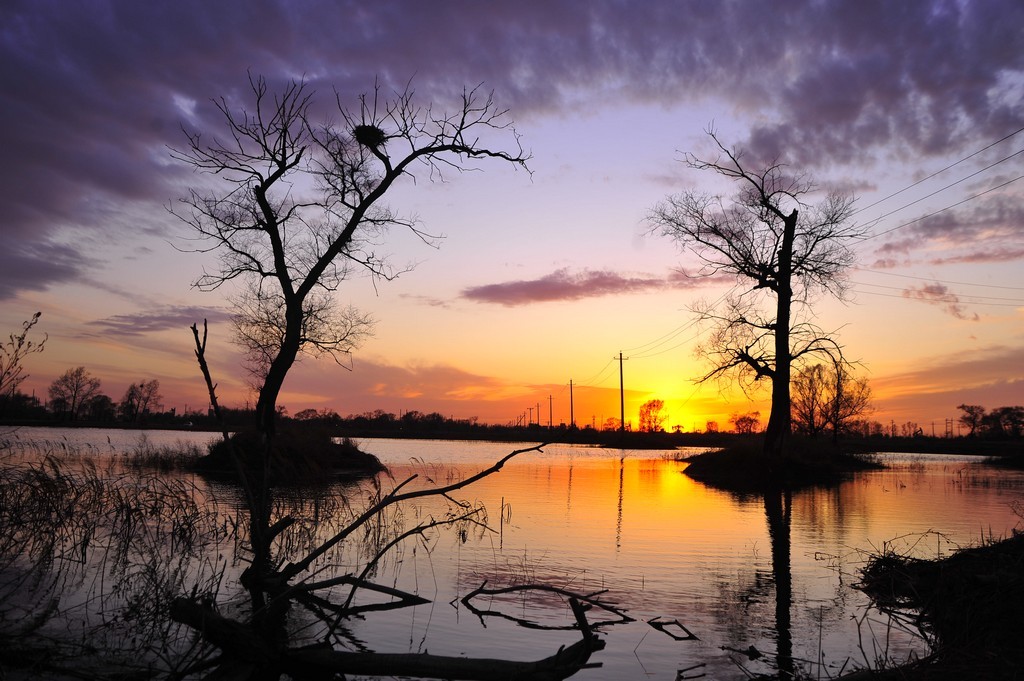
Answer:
x=940 y=295
x=94 y=93
x=906 y=75
x=32 y=265
x=566 y=285
x=169 y=318
x=991 y=228
x=981 y=256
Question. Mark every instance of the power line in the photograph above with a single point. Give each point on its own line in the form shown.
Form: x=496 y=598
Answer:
x=964 y=302
x=669 y=349
x=1011 y=302
x=957 y=283
x=969 y=295
x=597 y=378
x=668 y=336
x=939 y=172
x=954 y=205
x=671 y=335
x=937 y=191
x=622 y=396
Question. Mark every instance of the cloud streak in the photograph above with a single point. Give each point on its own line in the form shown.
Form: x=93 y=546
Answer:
x=978 y=370
x=32 y=265
x=981 y=257
x=940 y=295
x=169 y=318
x=564 y=285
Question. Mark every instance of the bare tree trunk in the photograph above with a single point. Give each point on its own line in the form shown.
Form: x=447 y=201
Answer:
x=778 y=429
x=254 y=484
x=266 y=405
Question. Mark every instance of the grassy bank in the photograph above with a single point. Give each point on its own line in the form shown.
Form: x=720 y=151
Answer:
x=970 y=604
x=743 y=467
x=296 y=456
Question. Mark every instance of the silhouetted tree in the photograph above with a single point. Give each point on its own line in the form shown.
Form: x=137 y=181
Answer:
x=972 y=418
x=71 y=392
x=1004 y=422
x=745 y=423
x=139 y=399
x=1013 y=420
x=301 y=204
x=809 y=400
x=652 y=416
x=612 y=423
x=99 y=407
x=782 y=253
x=381 y=417
x=13 y=354
x=826 y=396
x=21 y=406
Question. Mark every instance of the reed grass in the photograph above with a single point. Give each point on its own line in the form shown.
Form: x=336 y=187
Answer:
x=145 y=455
x=89 y=559
x=968 y=604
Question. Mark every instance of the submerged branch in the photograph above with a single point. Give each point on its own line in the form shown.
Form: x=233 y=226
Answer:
x=394 y=497
x=243 y=649
x=590 y=600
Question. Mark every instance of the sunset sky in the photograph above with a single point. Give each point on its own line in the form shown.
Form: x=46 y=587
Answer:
x=917 y=108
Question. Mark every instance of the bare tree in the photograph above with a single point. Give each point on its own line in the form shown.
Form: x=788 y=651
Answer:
x=745 y=424
x=300 y=205
x=850 y=398
x=973 y=417
x=782 y=252
x=260 y=328
x=612 y=423
x=652 y=416
x=139 y=399
x=13 y=354
x=830 y=397
x=1004 y=422
x=809 y=400
x=72 y=390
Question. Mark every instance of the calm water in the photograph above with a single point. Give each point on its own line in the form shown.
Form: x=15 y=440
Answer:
x=665 y=548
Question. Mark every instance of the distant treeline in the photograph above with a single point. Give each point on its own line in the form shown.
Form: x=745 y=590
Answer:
x=985 y=438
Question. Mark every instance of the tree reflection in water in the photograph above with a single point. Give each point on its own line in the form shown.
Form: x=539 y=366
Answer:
x=778 y=504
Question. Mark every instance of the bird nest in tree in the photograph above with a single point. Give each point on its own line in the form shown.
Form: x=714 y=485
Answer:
x=368 y=135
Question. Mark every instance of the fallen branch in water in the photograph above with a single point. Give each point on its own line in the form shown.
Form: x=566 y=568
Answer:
x=590 y=600
x=244 y=652
x=395 y=496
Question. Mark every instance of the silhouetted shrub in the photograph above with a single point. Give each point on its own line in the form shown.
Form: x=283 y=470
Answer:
x=297 y=453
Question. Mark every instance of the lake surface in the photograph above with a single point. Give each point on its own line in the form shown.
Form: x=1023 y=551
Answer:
x=667 y=550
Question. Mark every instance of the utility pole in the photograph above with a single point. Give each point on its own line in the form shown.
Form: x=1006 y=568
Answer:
x=550 y=425
x=622 y=397
x=572 y=414
x=530 y=422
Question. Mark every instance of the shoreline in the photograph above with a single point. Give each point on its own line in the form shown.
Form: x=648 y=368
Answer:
x=965 y=446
